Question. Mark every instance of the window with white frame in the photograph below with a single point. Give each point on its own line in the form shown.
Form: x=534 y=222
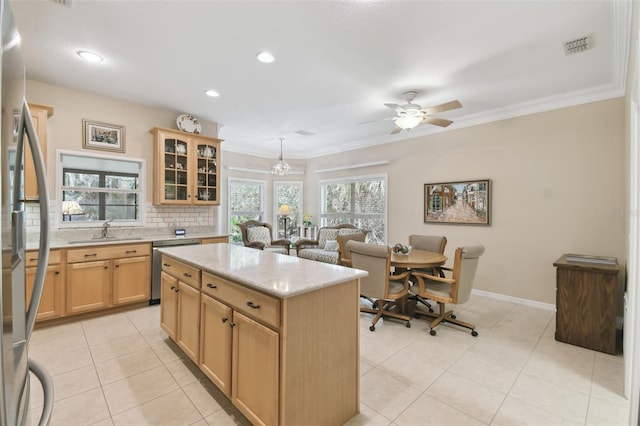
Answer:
x=246 y=202
x=95 y=188
x=288 y=208
x=360 y=201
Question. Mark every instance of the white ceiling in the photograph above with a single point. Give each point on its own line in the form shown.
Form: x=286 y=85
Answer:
x=337 y=62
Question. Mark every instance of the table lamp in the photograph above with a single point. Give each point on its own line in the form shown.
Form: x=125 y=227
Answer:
x=70 y=208
x=285 y=210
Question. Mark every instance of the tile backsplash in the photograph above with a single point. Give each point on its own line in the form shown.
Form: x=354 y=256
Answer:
x=159 y=220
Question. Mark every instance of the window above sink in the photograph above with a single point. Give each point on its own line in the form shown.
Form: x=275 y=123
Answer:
x=93 y=188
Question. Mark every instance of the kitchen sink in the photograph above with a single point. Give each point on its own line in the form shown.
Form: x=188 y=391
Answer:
x=105 y=240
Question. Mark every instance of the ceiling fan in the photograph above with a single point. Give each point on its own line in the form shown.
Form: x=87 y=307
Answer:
x=410 y=115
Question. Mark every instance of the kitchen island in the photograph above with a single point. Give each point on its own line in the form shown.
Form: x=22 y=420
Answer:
x=276 y=334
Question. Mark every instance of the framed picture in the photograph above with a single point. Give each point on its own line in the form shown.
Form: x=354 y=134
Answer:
x=466 y=202
x=102 y=136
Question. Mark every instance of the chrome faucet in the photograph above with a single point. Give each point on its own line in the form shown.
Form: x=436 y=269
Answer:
x=105 y=228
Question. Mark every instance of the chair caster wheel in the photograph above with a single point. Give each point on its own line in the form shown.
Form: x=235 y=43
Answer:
x=474 y=333
x=408 y=324
x=453 y=316
x=432 y=332
x=431 y=310
x=372 y=328
x=374 y=305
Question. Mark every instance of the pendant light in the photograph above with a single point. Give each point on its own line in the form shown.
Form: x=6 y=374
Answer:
x=281 y=168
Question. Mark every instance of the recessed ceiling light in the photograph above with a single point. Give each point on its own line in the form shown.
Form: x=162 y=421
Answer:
x=212 y=93
x=265 y=57
x=90 y=56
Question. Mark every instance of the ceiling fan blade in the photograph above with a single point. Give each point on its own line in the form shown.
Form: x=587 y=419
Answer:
x=396 y=130
x=443 y=107
x=395 y=107
x=437 y=121
x=378 y=120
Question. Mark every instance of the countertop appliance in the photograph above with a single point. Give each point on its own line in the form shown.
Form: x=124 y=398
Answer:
x=156 y=263
x=17 y=129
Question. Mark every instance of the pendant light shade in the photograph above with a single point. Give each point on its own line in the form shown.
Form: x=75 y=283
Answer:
x=281 y=167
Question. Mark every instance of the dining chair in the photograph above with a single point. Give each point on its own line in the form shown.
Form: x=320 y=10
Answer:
x=455 y=289
x=435 y=243
x=344 y=252
x=257 y=235
x=385 y=289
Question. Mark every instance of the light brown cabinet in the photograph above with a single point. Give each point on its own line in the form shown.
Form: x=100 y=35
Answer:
x=39 y=114
x=52 y=301
x=99 y=277
x=214 y=240
x=180 y=307
x=185 y=168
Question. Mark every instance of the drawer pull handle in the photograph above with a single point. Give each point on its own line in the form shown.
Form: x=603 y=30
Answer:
x=91 y=255
x=33 y=259
x=177 y=290
x=168 y=265
x=211 y=285
x=57 y=272
x=131 y=251
x=253 y=305
x=186 y=274
x=225 y=320
x=232 y=324
x=173 y=287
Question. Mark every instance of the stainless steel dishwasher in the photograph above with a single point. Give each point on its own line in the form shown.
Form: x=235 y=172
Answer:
x=156 y=263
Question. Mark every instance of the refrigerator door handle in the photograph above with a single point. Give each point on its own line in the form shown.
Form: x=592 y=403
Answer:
x=43 y=198
x=47 y=389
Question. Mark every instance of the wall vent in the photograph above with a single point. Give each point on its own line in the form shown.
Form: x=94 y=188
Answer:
x=65 y=3
x=578 y=45
x=304 y=133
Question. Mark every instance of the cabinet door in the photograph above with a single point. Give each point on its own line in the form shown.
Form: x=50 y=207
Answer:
x=39 y=115
x=215 y=343
x=189 y=320
x=175 y=175
x=255 y=389
x=206 y=172
x=131 y=280
x=169 y=305
x=51 y=303
x=87 y=286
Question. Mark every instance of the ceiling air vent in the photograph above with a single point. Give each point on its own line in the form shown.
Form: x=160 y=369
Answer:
x=578 y=45
x=66 y=3
x=304 y=133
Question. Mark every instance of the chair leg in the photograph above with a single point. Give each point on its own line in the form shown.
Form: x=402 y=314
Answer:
x=447 y=316
x=381 y=310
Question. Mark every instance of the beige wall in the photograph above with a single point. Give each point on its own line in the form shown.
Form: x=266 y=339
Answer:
x=558 y=187
x=558 y=180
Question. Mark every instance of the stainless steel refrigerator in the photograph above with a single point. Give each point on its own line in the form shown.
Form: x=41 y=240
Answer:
x=18 y=314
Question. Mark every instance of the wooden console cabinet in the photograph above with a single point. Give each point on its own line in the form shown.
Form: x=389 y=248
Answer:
x=586 y=295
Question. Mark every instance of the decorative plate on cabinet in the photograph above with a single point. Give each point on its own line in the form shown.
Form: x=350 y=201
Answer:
x=188 y=123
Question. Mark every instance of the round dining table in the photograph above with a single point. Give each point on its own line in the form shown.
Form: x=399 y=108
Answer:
x=418 y=259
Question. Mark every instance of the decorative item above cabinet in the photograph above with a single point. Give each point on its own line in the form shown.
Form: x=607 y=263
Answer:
x=185 y=167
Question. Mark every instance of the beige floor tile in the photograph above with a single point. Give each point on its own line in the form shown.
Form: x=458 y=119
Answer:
x=80 y=410
x=75 y=382
x=102 y=333
x=61 y=363
x=185 y=371
x=516 y=412
x=576 y=377
x=499 y=351
x=138 y=389
x=551 y=398
x=229 y=416
x=48 y=333
x=206 y=397
x=492 y=375
x=427 y=411
x=608 y=379
x=436 y=350
x=127 y=365
x=105 y=422
x=603 y=413
x=388 y=395
x=372 y=351
x=146 y=318
x=415 y=369
x=471 y=398
x=119 y=347
x=154 y=336
x=171 y=409
x=64 y=345
x=365 y=366
x=564 y=353
x=368 y=417
x=167 y=350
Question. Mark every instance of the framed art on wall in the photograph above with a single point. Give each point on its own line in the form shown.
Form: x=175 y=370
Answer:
x=464 y=202
x=102 y=136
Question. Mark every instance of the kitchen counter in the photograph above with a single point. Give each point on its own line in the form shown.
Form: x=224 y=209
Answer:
x=275 y=274
x=89 y=241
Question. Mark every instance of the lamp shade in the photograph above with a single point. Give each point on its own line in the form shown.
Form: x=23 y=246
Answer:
x=71 y=207
x=285 y=209
x=408 y=121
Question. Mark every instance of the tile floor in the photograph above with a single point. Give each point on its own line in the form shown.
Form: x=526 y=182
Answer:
x=121 y=369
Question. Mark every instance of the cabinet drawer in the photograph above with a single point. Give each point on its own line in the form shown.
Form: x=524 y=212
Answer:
x=250 y=302
x=32 y=258
x=107 y=252
x=185 y=273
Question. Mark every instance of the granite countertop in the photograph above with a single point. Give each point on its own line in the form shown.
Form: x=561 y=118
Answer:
x=82 y=242
x=276 y=274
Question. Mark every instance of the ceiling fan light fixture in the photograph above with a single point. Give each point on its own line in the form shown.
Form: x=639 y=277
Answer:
x=408 y=121
x=281 y=167
x=265 y=57
x=90 y=56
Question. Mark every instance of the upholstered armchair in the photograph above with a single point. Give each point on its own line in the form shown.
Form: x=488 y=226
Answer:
x=454 y=289
x=259 y=235
x=325 y=248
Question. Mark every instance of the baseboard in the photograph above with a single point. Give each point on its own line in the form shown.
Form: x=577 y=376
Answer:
x=520 y=301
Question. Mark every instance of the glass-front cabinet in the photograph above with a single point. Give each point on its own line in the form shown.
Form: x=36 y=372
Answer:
x=185 y=168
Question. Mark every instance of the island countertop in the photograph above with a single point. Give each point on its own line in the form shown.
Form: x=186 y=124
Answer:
x=275 y=274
